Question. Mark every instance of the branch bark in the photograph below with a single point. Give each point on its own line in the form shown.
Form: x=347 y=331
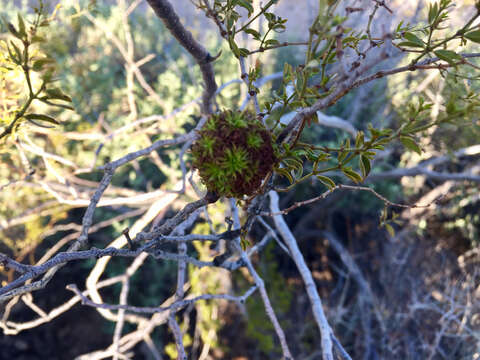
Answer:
x=320 y=318
x=164 y=10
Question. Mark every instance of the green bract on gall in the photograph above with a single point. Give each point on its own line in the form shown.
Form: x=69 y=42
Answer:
x=233 y=153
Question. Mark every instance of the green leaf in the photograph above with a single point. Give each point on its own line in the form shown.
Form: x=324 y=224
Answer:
x=409 y=143
x=234 y=47
x=448 y=56
x=37 y=38
x=360 y=139
x=342 y=155
x=285 y=173
x=365 y=166
x=413 y=39
x=63 y=106
x=40 y=125
x=41 y=117
x=47 y=75
x=18 y=52
x=56 y=93
x=38 y=64
x=243 y=52
x=287 y=72
x=230 y=23
x=390 y=229
x=13 y=31
x=21 y=26
x=352 y=175
x=409 y=44
x=254 y=33
x=326 y=181
x=246 y=4
x=451 y=107
x=271 y=42
x=294 y=163
x=432 y=13
x=473 y=36
x=12 y=56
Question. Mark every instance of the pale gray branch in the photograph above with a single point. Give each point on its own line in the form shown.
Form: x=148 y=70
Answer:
x=318 y=313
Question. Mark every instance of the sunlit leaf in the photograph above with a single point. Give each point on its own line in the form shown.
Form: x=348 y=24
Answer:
x=390 y=229
x=38 y=64
x=448 y=56
x=432 y=12
x=409 y=143
x=56 y=93
x=285 y=173
x=352 y=175
x=41 y=117
x=413 y=39
x=254 y=33
x=365 y=166
x=473 y=36
x=326 y=181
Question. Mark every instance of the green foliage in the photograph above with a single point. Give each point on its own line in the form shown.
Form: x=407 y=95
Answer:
x=20 y=54
x=89 y=67
x=228 y=13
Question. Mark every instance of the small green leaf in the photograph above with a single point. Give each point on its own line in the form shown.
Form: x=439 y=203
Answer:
x=326 y=181
x=271 y=42
x=17 y=52
x=409 y=44
x=37 y=38
x=294 y=163
x=243 y=52
x=21 y=26
x=41 y=117
x=230 y=23
x=352 y=175
x=234 y=47
x=365 y=166
x=285 y=173
x=12 y=56
x=360 y=139
x=432 y=13
x=451 y=107
x=13 y=31
x=254 y=33
x=246 y=4
x=473 y=36
x=413 y=39
x=390 y=229
x=56 y=93
x=38 y=64
x=63 y=106
x=409 y=143
x=40 y=125
x=448 y=56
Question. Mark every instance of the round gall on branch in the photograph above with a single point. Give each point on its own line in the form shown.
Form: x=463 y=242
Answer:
x=233 y=154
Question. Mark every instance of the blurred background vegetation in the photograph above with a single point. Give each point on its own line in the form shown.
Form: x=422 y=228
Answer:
x=423 y=280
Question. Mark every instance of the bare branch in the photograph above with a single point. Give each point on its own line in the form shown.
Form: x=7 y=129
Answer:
x=316 y=302
x=176 y=306
x=165 y=11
